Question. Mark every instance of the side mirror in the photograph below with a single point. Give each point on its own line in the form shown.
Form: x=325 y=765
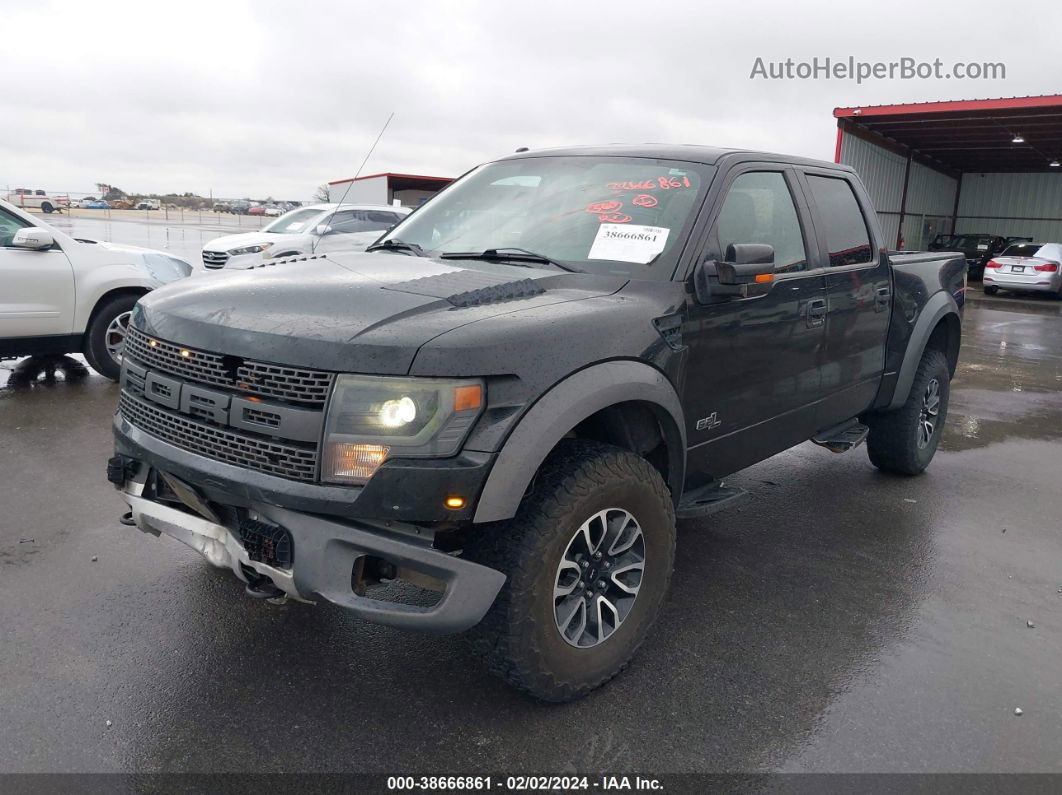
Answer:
x=747 y=272
x=323 y=229
x=33 y=237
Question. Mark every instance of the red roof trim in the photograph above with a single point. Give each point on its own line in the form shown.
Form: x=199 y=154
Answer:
x=1007 y=103
x=390 y=174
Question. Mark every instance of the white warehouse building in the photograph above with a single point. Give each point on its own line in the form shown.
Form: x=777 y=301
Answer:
x=988 y=166
x=409 y=190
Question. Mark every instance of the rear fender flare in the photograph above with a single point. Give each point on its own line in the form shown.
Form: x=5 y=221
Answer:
x=937 y=307
x=562 y=408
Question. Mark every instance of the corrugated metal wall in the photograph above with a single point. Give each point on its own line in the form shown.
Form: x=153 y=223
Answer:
x=1012 y=204
x=930 y=194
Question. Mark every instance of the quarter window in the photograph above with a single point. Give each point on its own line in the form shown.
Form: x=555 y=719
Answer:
x=847 y=238
x=759 y=209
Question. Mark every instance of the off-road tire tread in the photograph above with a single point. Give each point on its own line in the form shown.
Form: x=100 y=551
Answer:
x=517 y=547
x=892 y=444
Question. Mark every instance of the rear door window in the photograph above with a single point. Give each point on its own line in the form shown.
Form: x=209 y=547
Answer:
x=847 y=236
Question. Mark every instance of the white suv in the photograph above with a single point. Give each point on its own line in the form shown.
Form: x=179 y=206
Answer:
x=61 y=295
x=316 y=228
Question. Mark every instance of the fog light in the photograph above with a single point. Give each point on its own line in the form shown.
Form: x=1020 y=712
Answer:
x=455 y=503
x=347 y=461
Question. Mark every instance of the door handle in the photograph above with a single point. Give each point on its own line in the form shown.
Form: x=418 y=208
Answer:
x=816 y=312
x=882 y=298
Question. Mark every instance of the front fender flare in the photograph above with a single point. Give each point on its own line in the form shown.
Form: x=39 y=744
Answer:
x=562 y=408
x=938 y=305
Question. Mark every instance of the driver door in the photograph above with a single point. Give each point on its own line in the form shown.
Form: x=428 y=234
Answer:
x=753 y=368
x=36 y=287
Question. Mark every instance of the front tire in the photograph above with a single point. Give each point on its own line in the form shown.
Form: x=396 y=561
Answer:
x=904 y=441
x=105 y=336
x=588 y=558
x=46 y=208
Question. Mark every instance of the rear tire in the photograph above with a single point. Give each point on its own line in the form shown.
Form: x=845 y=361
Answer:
x=106 y=334
x=991 y=290
x=47 y=208
x=585 y=492
x=904 y=441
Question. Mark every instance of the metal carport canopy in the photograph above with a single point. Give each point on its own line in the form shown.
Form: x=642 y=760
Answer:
x=970 y=135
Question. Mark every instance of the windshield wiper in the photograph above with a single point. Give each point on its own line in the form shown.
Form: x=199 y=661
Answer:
x=394 y=244
x=518 y=256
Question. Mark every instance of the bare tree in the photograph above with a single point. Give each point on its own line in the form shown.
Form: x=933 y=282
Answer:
x=320 y=194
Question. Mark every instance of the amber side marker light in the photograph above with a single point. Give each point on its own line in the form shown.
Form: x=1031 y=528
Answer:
x=468 y=397
x=454 y=503
x=764 y=278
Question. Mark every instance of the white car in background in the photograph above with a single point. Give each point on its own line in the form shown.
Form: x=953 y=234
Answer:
x=1025 y=266
x=317 y=228
x=62 y=295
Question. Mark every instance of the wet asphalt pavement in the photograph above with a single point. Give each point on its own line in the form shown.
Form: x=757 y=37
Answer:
x=840 y=620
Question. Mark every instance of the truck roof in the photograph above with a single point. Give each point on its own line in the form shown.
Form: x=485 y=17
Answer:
x=694 y=153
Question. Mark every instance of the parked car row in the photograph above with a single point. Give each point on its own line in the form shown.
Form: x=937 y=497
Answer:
x=977 y=248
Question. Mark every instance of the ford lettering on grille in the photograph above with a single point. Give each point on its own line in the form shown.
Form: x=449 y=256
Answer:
x=221 y=408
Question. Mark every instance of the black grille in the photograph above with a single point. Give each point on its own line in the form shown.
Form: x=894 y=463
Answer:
x=295 y=462
x=257 y=378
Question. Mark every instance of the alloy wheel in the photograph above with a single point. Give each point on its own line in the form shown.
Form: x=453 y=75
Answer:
x=927 y=417
x=599 y=577
x=114 y=336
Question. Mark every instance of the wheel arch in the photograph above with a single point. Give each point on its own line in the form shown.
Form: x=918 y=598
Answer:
x=102 y=300
x=613 y=402
x=938 y=327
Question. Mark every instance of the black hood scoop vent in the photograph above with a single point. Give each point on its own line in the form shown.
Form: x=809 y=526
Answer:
x=470 y=288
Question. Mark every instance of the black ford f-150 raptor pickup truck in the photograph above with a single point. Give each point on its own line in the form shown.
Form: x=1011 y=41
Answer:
x=491 y=420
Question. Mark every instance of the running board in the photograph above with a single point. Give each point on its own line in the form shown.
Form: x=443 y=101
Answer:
x=844 y=437
x=707 y=500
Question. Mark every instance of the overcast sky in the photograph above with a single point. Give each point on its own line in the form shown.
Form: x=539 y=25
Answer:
x=272 y=98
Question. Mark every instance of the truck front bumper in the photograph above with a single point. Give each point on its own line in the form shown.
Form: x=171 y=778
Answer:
x=325 y=555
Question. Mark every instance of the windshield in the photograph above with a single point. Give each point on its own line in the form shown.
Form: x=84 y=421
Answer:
x=1022 y=250
x=293 y=223
x=620 y=215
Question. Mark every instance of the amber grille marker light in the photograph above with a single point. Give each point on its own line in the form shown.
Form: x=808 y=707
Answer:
x=468 y=397
x=455 y=503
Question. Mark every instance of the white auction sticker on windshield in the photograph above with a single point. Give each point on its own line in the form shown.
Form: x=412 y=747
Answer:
x=628 y=242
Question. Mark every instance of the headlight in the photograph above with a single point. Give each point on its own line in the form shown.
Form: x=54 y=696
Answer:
x=374 y=418
x=235 y=252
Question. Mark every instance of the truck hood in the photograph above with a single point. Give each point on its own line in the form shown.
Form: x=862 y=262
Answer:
x=350 y=312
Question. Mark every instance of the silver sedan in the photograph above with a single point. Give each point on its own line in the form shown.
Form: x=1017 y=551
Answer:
x=1026 y=266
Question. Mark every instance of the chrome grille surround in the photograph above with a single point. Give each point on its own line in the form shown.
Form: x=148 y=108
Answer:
x=286 y=460
x=215 y=259
x=295 y=384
